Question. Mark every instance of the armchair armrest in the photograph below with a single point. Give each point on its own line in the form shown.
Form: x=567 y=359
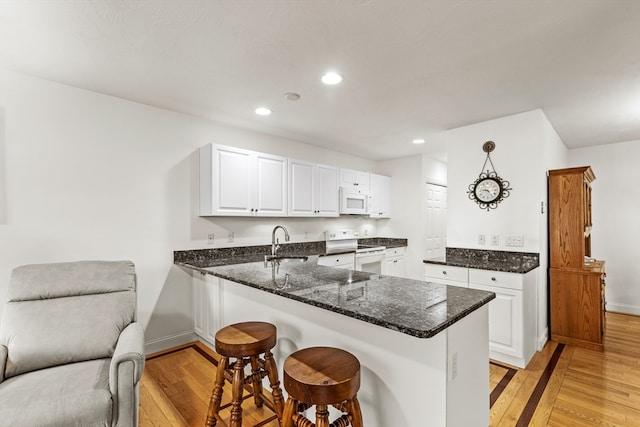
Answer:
x=130 y=348
x=3 y=361
x=125 y=372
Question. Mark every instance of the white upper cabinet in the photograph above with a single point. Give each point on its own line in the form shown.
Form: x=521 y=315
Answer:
x=237 y=182
x=357 y=181
x=380 y=202
x=327 y=191
x=271 y=184
x=313 y=189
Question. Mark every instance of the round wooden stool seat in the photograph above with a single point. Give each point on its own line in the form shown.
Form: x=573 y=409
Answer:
x=245 y=339
x=321 y=376
x=245 y=342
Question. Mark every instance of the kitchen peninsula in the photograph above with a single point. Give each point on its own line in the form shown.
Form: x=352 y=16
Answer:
x=423 y=347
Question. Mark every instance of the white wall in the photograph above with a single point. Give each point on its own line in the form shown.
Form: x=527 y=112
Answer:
x=526 y=147
x=616 y=218
x=89 y=176
x=434 y=171
x=517 y=159
x=407 y=209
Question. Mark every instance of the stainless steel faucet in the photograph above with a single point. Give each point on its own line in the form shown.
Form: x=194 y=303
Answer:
x=275 y=243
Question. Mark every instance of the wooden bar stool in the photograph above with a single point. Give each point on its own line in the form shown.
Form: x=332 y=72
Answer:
x=322 y=376
x=245 y=342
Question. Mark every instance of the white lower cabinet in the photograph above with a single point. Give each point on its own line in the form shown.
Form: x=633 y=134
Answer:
x=394 y=264
x=446 y=275
x=347 y=261
x=207 y=315
x=512 y=314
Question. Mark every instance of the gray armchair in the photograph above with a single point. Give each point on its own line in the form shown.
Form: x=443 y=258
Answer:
x=71 y=351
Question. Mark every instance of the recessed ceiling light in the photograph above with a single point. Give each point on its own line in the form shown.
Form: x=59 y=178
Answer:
x=331 y=78
x=262 y=111
x=292 y=96
x=418 y=141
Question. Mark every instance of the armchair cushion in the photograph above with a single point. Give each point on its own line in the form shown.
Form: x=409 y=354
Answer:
x=59 y=396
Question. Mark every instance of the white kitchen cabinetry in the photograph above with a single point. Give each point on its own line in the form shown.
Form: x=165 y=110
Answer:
x=380 y=201
x=207 y=314
x=394 y=264
x=357 y=181
x=447 y=275
x=512 y=314
x=238 y=182
x=347 y=261
x=313 y=190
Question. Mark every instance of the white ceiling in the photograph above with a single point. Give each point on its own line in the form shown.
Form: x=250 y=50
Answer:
x=412 y=68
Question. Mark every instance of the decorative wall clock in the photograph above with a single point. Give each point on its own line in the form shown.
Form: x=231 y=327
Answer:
x=489 y=189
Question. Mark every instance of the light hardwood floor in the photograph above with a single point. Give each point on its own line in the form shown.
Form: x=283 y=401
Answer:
x=562 y=385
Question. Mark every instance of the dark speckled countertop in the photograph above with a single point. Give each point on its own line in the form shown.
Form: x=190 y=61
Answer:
x=413 y=307
x=511 y=262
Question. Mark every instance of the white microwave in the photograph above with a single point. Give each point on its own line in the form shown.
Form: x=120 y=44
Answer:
x=353 y=203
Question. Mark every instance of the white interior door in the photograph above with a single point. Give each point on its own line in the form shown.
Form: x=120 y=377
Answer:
x=436 y=227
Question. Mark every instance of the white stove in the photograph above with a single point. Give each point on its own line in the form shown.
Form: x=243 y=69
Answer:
x=369 y=258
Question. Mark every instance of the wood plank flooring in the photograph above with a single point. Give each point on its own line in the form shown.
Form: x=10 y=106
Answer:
x=562 y=386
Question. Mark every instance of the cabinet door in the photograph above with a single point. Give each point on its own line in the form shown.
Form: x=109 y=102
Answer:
x=380 y=188
x=400 y=267
x=575 y=298
x=302 y=188
x=199 y=300
x=505 y=320
x=226 y=181
x=327 y=194
x=271 y=185
x=355 y=180
x=394 y=266
x=207 y=308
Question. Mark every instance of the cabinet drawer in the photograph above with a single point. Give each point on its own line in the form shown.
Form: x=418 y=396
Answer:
x=339 y=260
x=392 y=252
x=495 y=278
x=438 y=271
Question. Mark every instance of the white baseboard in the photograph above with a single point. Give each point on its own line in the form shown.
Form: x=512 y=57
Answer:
x=623 y=308
x=542 y=340
x=164 y=343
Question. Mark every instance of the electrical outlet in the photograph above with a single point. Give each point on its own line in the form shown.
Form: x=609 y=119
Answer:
x=514 y=240
x=210 y=239
x=481 y=239
x=306 y=235
x=495 y=239
x=230 y=237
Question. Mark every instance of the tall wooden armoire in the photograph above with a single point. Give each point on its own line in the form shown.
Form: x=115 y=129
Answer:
x=576 y=281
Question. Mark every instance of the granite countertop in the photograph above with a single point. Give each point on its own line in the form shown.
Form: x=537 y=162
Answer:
x=242 y=254
x=511 y=262
x=413 y=307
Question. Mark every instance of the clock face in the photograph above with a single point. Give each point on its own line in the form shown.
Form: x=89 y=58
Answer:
x=488 y=190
